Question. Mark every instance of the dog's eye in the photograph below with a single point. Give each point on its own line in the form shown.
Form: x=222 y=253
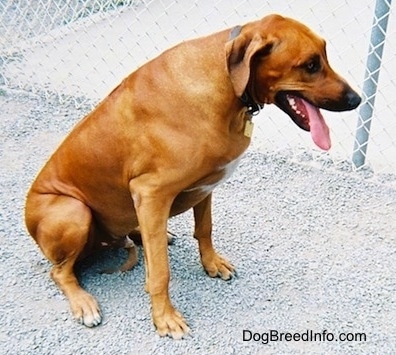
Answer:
x=313 y=66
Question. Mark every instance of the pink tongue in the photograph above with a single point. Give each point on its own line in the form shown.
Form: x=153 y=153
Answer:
x=320 y=133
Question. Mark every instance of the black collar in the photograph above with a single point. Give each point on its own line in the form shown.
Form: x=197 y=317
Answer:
x=253 y=108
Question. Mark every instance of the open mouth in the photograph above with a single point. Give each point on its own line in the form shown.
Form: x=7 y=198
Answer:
x=306 y=116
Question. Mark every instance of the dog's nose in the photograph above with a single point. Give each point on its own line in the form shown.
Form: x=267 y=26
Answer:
x=353 y=100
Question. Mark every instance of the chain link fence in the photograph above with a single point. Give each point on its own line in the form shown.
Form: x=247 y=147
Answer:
x=80 y=49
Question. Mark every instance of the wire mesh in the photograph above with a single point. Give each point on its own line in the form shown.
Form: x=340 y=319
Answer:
x=80 y=49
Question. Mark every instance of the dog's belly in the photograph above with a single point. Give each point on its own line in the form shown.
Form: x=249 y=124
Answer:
x=186 y=200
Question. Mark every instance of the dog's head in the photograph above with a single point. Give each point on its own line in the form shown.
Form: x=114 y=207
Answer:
x=279 y=60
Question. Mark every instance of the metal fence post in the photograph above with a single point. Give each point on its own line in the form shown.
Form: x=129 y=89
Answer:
x=373 y=66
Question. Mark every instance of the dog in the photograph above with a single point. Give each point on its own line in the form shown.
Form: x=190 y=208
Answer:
x=161 y=141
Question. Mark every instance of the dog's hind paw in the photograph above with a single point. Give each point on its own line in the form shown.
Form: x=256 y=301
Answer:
x=85 y=309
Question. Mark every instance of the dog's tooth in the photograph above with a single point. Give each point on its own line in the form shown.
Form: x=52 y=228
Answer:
x=292 y=103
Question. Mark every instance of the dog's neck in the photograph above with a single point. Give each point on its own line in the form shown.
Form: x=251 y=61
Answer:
x=253 y=108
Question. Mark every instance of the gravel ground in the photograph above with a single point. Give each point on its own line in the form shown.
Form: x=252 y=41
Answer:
x=314 y=246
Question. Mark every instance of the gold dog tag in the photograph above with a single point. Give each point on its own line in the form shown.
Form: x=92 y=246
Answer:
x=248 y=128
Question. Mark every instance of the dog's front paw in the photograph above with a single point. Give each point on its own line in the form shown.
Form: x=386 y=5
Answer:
x=216 y=266
x=85 y=309
x=171 y=323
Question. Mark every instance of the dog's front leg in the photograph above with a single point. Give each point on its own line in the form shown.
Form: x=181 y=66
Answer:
x=153 y=213
x=213 y=263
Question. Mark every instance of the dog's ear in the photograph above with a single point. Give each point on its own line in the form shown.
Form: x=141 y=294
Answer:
x=239 y=54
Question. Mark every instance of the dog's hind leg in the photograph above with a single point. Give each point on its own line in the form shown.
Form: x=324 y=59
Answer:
x=136 y=236
x=132 y=258
x=214 y=264
x=61 y=226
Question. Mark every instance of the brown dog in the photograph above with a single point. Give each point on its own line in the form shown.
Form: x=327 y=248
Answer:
x=163 y=139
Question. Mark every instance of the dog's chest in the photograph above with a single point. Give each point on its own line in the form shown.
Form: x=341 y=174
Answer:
x=207 y=185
